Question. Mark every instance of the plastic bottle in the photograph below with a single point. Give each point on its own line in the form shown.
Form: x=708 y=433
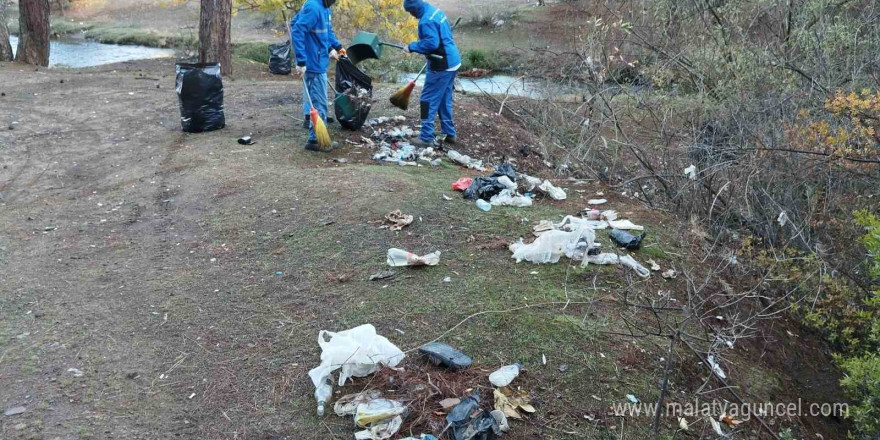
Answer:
x=484 y=205
x=503 y=376
x=322 y=395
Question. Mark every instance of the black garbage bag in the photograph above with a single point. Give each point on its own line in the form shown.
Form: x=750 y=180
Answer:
x=279 y=58
x=354 y=95
x=467 y=425
x=483 y=188
x=626 y=240
x=505 y=169
x=200 y=92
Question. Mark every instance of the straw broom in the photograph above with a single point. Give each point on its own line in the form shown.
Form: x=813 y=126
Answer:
x=321 y=133
x=400 y=98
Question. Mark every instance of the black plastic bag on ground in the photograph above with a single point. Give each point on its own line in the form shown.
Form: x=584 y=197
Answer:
x=279 y=58
x=354 y=95
x=200 y=92
x=483 y=188
x=626 y=240
x=505 y=169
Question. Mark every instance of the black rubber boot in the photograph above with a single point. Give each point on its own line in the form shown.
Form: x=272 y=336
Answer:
x=418 y=143
x=312 y=146
x=451 y=140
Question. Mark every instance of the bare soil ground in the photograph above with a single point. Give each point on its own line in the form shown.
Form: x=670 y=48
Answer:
x=157 y=284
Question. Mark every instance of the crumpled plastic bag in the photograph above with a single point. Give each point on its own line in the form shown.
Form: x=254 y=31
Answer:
x=505 y=169
x=483 y=188
x=551 y=245
x=529 y=182
x=465 y=160
x=347 y=405
x=554 y=192
x=358 y=352
x=623 y=260
x=399 y=257
x=625 y=225
x=509 y=184
x=510 y=198
x=462 y=183
x=376 y=411
x=467 y=423
x=381 y=431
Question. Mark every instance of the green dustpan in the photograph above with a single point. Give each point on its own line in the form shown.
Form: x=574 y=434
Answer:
x=364 y=46
x=343 y=103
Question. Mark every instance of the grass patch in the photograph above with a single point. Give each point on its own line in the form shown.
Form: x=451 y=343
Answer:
x=254 y=51
x=123 y=33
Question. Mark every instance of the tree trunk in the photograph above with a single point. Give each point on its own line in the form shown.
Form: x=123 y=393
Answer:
x=5 y=47
x=215 y=20
x=33 y=34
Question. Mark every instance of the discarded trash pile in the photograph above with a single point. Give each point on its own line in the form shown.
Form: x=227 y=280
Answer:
x=394 y=145
x=501 y=188
x=435 y=394
x=575 y=238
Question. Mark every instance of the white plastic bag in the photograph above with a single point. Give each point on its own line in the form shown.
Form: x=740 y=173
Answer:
x=624 y=260
x=376 y=411
x=551 y=245
x=399 y=257
x=508 y=198
x=381 y=431
x=555 y=193
x=358 y=351
x=529 y=182
x=509 y=184
x=465 y=160
x=625 y=225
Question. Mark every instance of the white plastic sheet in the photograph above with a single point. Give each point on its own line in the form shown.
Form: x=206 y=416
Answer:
x=552 y=245
x=509 y=198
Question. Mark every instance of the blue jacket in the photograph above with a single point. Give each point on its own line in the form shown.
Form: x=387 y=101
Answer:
x=313 y=36
x=435 y=35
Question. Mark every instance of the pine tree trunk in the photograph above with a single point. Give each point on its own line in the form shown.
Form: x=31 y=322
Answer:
x=5 y=47
x=33 y=38
x=215 y=23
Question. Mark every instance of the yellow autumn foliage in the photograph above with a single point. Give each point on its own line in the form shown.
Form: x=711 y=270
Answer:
x=384 y=17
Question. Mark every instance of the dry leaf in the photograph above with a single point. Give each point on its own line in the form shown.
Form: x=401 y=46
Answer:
x=397 y=220
x=729 y=421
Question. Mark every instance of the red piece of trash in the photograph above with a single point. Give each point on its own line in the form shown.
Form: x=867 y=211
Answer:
x=462 y=184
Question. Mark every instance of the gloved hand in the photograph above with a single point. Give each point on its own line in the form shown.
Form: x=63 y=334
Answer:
x=343 y=52
x=334 y=54
x=406 y=48
x=300 y=71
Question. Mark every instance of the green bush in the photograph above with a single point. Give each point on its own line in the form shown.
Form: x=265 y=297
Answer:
x=258 y=52
x=862 y=384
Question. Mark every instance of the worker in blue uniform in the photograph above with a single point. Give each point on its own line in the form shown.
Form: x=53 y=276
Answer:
x=435 y=38
x=314 y=44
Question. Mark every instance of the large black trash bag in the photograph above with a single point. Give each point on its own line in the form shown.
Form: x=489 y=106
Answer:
x=279 y=58
x=352 y=112
x=483 y=188
x=200 y=91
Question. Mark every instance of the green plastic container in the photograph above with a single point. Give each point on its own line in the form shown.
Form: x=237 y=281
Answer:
x=342 y=103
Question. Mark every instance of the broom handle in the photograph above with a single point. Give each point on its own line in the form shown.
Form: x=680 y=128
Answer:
x=426 y=64
x=305 y=86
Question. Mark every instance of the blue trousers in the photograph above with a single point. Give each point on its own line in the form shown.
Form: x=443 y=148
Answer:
x=437 y=99
x=317 y=85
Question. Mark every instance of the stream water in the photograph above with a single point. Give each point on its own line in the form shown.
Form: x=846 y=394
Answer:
x=494 y=85
x=84 y=53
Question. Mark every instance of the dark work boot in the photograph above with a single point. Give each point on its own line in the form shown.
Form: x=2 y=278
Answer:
x=306 y=122
x=451 y=140
x=418 y=143
x=312 y=146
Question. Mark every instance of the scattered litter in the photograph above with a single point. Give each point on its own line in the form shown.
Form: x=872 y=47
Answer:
x=509 y=198
x=670 y=274
x=625 y=225
x=462 y=184
x=396 y=220
x=505 y=170
x=654 y=266
x=624 y=260
x=340 y=160
x=551 y=245
x=14 y=411
x=484 y=205
x=715 y=367
x=503 y=376
x=543 y=359
x=399 y=257
x=716 y=426
x=728 y=420
x=447 y=279
x=501 y=419
x=449 y=402
x=609 y=215
x=376 y=411
x=347 y=405
x=246 y=140
x=510 y=402
x=382 y=275
x=192 y=395
x=691 y=172
x=626 y=240
x=446 y=356
x=683 y=423
x=358 y=352
x=381 y=431
x=563 y=368
x=632 y=398
x=75 y=372
x=468 y=423
x=465 y=160
x=509 y=184
x=782 y=219
x=555 y=193
x=597 y=201
x=447 y=198
x=483 y=188
x=593 y=214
